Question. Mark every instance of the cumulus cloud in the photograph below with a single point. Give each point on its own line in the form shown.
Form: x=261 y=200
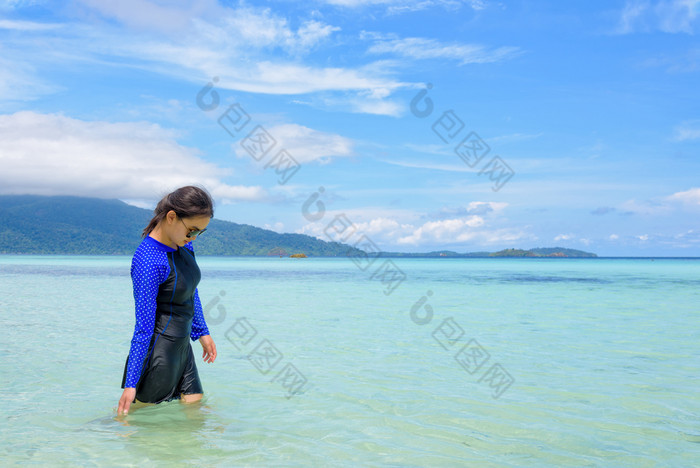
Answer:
x=390 y=229
x=448 y=231
x=479 y=208
x=51 y=154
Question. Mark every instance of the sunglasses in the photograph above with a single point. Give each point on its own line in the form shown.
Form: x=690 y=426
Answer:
x=192 y=232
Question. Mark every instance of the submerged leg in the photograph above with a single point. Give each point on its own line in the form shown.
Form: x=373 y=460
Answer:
x=191 y=397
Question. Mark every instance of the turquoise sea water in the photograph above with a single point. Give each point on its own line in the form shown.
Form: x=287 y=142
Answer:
x=470 y=362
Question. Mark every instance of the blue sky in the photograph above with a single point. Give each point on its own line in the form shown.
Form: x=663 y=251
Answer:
x=573 y=124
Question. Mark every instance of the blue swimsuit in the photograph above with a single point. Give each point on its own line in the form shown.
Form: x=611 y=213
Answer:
x=169 y=314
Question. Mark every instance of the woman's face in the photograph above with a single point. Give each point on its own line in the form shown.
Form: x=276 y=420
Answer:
x=189 y=226
x=175 y=229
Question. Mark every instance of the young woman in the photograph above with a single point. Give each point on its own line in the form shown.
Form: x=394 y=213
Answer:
x=161 y=366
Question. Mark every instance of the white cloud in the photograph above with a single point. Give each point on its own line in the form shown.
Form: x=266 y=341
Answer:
x=420 y=48
x=51 y=154
x=687 y=131
x=17 y=4
x=514 y=137
x=277 y=227
x=390 y=229
x=436 y=167
x=631 y=14
x=361 y=3
x=479 y=207
x=613 y=237
x=305 y=144
x=647 y=207
x=677 y=15
x=150 y=15
x=690 y=197
x=670 y=16
x=250 y=49
x=448 y=231
x=662 y=205
x=18 y=25
x=19 y=82
x=562 y=237
x=405 y=6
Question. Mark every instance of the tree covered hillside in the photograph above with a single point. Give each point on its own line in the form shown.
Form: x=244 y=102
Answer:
x=32 y=224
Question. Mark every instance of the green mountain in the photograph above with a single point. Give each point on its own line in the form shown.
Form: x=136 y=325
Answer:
x=34 y=224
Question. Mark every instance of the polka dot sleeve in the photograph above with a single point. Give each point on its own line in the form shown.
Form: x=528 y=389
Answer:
x=199 y=326
x=149 y=268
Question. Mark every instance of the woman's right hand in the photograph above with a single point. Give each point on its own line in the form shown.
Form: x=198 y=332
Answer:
x=125 y=401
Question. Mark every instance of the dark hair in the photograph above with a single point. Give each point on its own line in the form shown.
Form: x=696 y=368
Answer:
x=186 y=202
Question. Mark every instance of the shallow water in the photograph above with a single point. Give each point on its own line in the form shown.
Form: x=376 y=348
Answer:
x=469 y=362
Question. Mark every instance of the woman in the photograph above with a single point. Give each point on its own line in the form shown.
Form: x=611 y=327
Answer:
x=160 y=366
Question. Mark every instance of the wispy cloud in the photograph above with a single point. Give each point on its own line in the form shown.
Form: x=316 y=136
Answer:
x=431 y=166
x=690 y=197
x=16 y=25
x=19 y=81
x=514 y=137
x=683 y=62
x=687 y=131
x=51 y=154
x=418 y=48
x=249 y=49
x=409 y=6
x=669 y=16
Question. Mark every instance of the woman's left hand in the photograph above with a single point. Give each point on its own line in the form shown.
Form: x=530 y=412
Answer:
x=208 y=348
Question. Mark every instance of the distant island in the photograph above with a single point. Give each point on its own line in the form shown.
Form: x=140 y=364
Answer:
x=549 y=252
x=64 y=225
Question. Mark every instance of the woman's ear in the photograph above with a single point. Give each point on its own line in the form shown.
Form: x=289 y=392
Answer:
x=171 y=217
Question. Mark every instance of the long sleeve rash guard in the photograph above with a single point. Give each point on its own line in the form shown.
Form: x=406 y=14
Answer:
x=149 y=269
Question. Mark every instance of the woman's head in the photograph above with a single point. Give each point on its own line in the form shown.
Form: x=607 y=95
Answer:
x=185 y=205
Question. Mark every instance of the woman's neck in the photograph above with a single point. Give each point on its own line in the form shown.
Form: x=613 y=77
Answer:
x=158 y=234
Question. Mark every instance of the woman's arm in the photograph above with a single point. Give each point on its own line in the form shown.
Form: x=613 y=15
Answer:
x=148 y=271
